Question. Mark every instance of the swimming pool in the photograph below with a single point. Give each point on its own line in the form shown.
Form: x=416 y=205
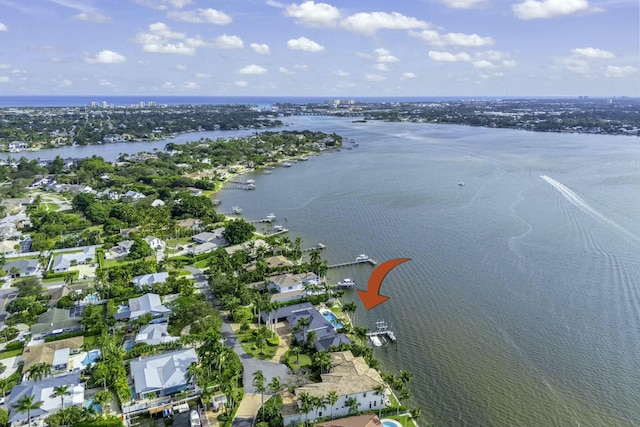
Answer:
x=91 y=357
x=390 y=423
x=123 y=309
x=88 y=404
x=335 y=322
x=91 y=298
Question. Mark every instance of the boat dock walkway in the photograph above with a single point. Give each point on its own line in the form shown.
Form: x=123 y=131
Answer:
x=382 y=336
x=361 y=261
x=316 y=247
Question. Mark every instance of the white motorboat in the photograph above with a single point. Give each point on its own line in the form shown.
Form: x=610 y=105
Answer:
x=346 y=283
x=362 y=257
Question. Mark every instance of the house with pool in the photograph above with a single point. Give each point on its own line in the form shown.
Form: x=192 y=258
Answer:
x=59 y=354
x=291 y=286
x=350 y=376
x=147 y=303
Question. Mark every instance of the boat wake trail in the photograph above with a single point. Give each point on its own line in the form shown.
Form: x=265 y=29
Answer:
x=585 y=207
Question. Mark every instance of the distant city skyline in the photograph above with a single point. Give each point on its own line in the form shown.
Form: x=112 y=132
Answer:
x=334 y=49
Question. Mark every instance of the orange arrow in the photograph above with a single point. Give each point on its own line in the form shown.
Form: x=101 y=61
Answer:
x=371 y=297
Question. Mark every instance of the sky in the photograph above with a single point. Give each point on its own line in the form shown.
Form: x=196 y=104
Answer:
x=338 y=49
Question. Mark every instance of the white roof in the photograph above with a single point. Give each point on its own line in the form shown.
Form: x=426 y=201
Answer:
x=162 y=371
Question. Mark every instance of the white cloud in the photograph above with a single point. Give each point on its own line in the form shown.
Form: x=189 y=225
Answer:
x=62 y=83
x=369 y=23
x=4 y=79
x=105 y=83
x=374 y=77
x=274 y=3
x=284 y=70
x=509 y=63
x=228 y=42
x=252 y=69
x=3 y=27
x=591 y=53
x=96 y=17
x=483 y=65
x=387 y=58
x=381 y=67
x=164 y=4
x=453 y=39
x=181 y=67
x=314 y=14
x=341 y=73
x=262 y=49
x=241 y=83
x=302 y=67
x=408 y=75
x=160 y=39
x=4 y=66
x=463 y=4
x=615 y=71
x=106 y=57
x=449 y=57
x=576 y=65
x=199 y=16
x=543 y=9
x=190 y=85
x=203 y=75
x=305 y=44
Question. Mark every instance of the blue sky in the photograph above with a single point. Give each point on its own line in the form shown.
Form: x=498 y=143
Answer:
x=341 y=48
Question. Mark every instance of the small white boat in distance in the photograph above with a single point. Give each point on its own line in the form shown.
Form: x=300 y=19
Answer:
x=236 y=210
x=270 y=217
x=287 y=164
x=362 y=257
x=346 y=283
x=461 y=184
x=195 y=419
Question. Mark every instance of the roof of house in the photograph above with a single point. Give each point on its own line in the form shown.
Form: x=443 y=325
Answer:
x=55 y=318
x=366 y=420
x=65 y=260
x=26 y=266
x=147 y=303
x=41 y=391
x=45 y=352
x=291 y=279
x=162 y=371
x=277 y=261
x=150 y=279
x=154 y=333
x=205 y=236
x=349 y=375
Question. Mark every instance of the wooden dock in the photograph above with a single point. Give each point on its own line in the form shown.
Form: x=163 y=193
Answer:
x=344 y=264
x=382 y=335
x=316 y=247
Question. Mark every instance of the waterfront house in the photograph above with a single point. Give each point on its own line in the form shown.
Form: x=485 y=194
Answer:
x=350 y=376
x=366 y=420
x=290 y=286
x=162 y=374
x=203 y=248
x=214 y=236
x=41 y=391
x=53 y=322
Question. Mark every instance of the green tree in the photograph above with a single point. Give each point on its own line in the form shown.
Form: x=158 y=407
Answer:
x=259 y=384
x=61 y=391
x=29 y=286
x=349 y=308
x=353 y=405
x=139 y=249
x=26 y=404
x=305 y=404
x=238 y=231
x=332 y=399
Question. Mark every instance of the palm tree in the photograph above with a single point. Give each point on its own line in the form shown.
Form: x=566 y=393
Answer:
x=349 y=308
x=275 y=385
x=332 y=399
x=258 y=383
x=61 y=391
x=318 y=403
x=27 y=404
x=103 y=398
x=305 y=405
x=353 y=405
x=323 y=359
x=304 y=322
x=296 y=351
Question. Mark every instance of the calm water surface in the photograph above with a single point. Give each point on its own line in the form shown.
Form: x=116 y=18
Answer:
x=520 y=306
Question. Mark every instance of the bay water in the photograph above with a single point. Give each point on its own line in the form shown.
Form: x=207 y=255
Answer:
x=520 y=305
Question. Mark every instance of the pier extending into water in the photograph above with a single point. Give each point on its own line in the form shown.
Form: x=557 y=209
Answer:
x=382 y=335
x=358 y=261
x=314 y=248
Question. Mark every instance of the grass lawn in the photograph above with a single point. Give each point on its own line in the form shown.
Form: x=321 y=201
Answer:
x=201 y=264
x=297 y=362
x=90 y=342
x=11 y=353
x=248 y=345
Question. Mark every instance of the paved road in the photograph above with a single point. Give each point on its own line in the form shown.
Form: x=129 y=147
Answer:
x=251 y=365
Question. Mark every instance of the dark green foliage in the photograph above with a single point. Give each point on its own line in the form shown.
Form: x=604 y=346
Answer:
x=139 y=249
x=238 y=231
x=16 y=345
